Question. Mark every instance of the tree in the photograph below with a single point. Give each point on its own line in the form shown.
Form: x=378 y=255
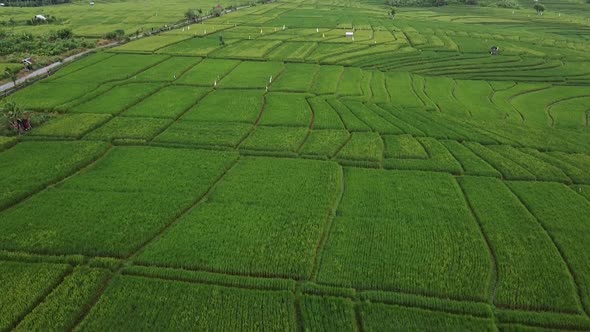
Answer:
x=539 y=8
x=392 y=13
x=64 y=33
x=12 y=74
x=13 y=113
x=190 y=15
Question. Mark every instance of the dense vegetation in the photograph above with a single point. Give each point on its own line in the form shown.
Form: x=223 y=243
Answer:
x=299 y=179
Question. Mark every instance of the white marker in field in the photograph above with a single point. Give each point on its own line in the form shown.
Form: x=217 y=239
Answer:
x=270 y=79
x=323 y=35
x=260 y=31
x=215 y=83
x=284 y=27
x=174 y=76
x=182 y=29
x=317 y=29
x=189 y=27
x=205 y=32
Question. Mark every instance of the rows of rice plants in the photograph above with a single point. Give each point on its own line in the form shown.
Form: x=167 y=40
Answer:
x=73 y=125
x=30 y=166
x=403 y=147
x=327 y=79
x=117 y=99
x=471 y=163
x=168 y=70
x=194 y=46
x=372 y=119
x=169 y=102
x=23 y=286
x=439 y=159
x=409 y=217
x=296 y=78
x=207 y=72
x=292 y=51
x=204 y=133
x=252 y=75
x=253 y=212
x=531 y=274
x=238 y=106
x=274 y=138
x=363 y=146
x=125 y=305
x=64 y=306
x=510 y=170
x=251 y=49
x=325 y=117
x=95 y=216
x=325 y=142
x=286 y=109
x=118 y=67
x=150 y=44
x=540 y=169
x=381 y=317
x=565 y=218
x=129 y=127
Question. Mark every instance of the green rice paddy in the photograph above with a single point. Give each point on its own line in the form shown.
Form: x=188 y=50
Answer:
x=296 y=179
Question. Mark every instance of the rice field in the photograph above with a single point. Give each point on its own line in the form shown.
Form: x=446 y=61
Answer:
x=293 y=178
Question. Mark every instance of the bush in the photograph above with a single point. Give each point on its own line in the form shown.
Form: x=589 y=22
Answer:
x=115 y=35
x=508 y=4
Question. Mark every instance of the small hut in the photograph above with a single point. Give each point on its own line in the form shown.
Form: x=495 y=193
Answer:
x=494 y=50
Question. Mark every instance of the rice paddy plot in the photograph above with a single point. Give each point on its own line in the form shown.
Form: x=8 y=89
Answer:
x=247 y=49
x=296 y=78
x=169 y=102
x=150 y=44
x=197 y=133
x=238 y=106
x=167 y=71
x=374 y=204
x=237 y=218
x=196 y=46
x=117 y=99
x=208 y=72
x=252 y=75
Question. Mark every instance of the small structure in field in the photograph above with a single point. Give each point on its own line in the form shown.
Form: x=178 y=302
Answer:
x=92 y=3
x=494 y=50
x=28 y=63
x=40 y=17
x=349 y=34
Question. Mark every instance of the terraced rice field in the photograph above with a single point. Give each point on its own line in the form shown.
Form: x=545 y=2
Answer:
x=296 y=179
